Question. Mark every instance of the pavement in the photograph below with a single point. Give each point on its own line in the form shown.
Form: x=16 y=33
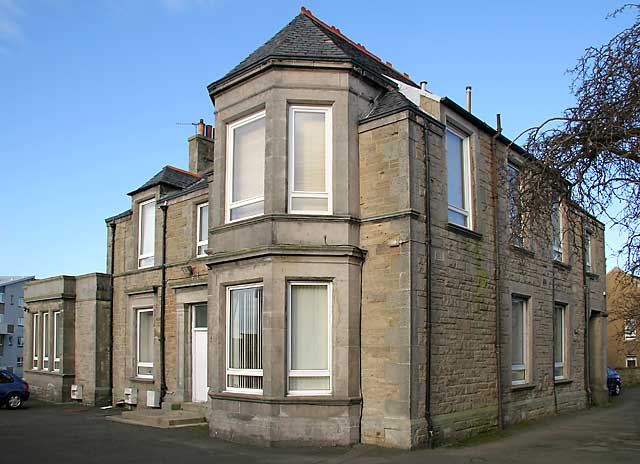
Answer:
x=42 y=432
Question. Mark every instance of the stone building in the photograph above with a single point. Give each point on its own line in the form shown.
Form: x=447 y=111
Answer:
x=358 y=280
x=623 y=306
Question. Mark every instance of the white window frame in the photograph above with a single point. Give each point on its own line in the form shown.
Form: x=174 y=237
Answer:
x=328 y=167
x=153 y=251
x=563 y=344
x=633 y=359
x=138 y=363
x=525 y=341
x=56 y=359
x=45 y=351
x=246 y=372
x=466 y=159
x=229 y=204
x=631 y=334
x=35 y=329
x=309 y=372
x=558 y=251
x=201 y=243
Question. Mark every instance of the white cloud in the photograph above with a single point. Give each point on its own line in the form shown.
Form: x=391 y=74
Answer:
x=10 y=29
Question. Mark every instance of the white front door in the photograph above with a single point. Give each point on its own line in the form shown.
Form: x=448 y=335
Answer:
x=199 y=352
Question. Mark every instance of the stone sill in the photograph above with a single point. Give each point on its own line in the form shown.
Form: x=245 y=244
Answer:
x=140 y=380
x=562 y=266
x=593 y=276
x=563 y=381
x=43 y=372
x=524 y=386
x=309 y=400
x=522 y=251
x=463 y=231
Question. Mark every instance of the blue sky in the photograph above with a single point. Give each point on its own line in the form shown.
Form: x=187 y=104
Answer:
x=90 y=92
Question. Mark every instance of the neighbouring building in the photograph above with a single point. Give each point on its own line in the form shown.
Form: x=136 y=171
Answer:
x=623 y=306
x=337 y=265
x=12 y=322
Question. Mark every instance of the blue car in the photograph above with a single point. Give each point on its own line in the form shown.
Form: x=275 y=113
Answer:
x=13 y=390
x=614 y=383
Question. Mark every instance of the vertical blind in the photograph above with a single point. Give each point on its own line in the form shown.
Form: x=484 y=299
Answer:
x=245 y=338
x=309 y=337
x=57 y=331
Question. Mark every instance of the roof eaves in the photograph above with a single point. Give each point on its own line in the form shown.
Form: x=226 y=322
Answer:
x=124 y=214
x=199 y=185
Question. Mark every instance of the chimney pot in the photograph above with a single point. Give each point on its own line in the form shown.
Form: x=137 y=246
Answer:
x=469 y=98
x=208 y=131
x=423 y=85
x=200 y=127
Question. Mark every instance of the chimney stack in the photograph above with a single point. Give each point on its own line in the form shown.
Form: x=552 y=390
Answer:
x=469 y=98
x=201 y=149
x=423 y=85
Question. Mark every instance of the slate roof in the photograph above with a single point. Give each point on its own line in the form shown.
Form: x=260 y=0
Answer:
x=391 y=102
x=171 y=176
x=307 y=38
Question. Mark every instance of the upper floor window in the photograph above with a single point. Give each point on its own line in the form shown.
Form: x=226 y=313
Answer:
x=515 y=213
x=587 y=253
x=57 y=332
x=146 y=233
x=458 y=178
x=310 y=160
x=45 y=341
x=1 y=297
x=556 y=228
x=631 y=361
x=203 y=229
x=630 y=329
x=245 y=168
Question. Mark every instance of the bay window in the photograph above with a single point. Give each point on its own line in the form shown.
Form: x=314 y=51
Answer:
x=309 y=338
x=559 y=342
x=144 y=343
x=519 y=341
x=310 y=160
x=245 y=168
x=146 y=233
x=458 y=178
x=202 y=239
x=244 y=339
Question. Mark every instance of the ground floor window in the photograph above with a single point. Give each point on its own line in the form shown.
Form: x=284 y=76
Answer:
x=36 y=341
x=144 y=351
x=632 y=361
x=309 y=340
x=57 y=330
x=45 y=342
x=559 y=342
x=244 y=338
x=519 y=340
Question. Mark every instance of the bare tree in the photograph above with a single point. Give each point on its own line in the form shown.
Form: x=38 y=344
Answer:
x=590 y=155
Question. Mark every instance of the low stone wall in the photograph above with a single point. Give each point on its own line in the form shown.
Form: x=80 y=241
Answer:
x=630 y=376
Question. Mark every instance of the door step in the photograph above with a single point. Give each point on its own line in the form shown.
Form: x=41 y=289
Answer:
x=163 y=419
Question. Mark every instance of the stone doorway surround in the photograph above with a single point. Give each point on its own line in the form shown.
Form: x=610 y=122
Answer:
x=186 y=295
